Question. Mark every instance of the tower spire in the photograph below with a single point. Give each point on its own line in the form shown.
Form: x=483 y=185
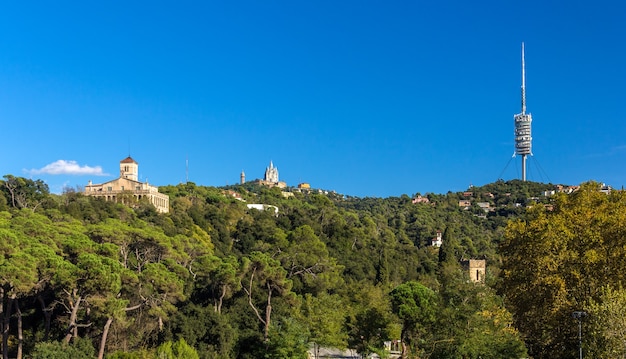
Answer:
x=523 y=82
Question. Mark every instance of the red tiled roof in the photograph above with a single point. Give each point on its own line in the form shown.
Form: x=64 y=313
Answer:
x=128 y=160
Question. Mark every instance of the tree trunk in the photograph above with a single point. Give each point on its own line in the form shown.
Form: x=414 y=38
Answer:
x=404 y=353
x=47 y=313
x=2 y=346
x=221 y=300
x=20 y=332
x=249 y=293
x=74 y=302
x=103 y=340
x=6 y=325
x=268 y=313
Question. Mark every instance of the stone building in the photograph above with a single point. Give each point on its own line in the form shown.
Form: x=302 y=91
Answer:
x=119 y=190
x=477 y=269
x=271 y=173
x=271 y=177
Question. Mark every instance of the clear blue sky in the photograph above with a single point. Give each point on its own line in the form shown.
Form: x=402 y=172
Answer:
x=368 y=98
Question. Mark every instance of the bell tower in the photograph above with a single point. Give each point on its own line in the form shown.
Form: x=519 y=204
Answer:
x=129 y=168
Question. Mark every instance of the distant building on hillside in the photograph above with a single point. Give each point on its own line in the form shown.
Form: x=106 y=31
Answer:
x=271 y=173
x=549 y=193
x=302 y=187
x=485 y=206
x=476 y=268
x=127 y=187
x=420 y=199
x=263 y=207
x=271 y=177
x=437 y=241
x=393 y=348
x=235 y=195
x=566 y=190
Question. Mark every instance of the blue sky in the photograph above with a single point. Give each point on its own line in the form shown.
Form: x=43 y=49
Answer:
x=367 y=98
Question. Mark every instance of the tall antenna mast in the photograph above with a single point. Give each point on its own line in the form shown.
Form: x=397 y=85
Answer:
x=523 y=82
x=523 y=120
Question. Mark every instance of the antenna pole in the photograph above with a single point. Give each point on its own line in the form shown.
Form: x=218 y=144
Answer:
x=523 y=82
x=523 y=108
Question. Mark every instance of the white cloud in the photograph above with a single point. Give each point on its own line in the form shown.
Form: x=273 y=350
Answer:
x=63 y=167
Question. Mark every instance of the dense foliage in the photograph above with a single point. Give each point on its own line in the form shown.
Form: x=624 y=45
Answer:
x=567 y=258
x=215 y=279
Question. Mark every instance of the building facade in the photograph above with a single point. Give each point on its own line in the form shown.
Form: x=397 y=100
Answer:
x=127 y=188
x=477 y=269
x=271 y=177
x=437 y=241
x=271 y=174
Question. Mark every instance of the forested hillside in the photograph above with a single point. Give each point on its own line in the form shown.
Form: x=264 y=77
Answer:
x=84 y=278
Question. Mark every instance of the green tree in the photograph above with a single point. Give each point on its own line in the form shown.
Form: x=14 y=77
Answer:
x=155 y=268
x=224 y=279
x=556 y=261
x=24 y=192
x=80 y=349
x=212 y=334
x=266 y=275
x=416 y=305
x=605 y=326
x=27 y=244
x=308 y=262
x=449 y=250
x=369 y=318
x=489 y=331
x=287 y=339
x=177 y=350
x=325 y=323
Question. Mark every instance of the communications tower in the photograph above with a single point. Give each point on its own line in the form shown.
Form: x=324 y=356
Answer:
x=523 y=137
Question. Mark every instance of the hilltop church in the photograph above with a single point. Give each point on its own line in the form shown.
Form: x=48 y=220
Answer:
x=270 y=179
x=128 y=183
